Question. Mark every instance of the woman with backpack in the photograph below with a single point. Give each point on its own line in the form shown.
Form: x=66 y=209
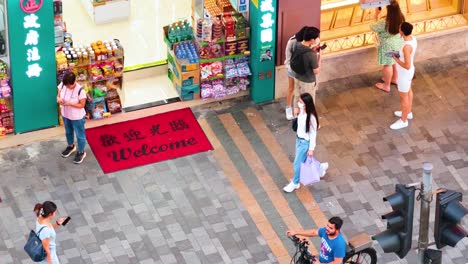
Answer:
x=72 y=99
x=290 y=47
x=307 y=124
x=45 y=228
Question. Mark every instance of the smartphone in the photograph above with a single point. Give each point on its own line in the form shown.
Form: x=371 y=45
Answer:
x=324 y=46
x=66 y=221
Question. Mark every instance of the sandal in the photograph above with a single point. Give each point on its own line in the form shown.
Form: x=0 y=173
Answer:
x=381 y=87
x=394 y=83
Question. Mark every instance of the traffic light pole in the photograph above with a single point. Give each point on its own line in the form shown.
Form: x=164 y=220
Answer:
x=426 y=198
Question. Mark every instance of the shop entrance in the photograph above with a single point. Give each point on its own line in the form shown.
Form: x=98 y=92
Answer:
x=139 y=30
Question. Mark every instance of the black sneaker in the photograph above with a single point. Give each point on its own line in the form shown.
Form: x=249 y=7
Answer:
x=68 y=151
x=79 y=157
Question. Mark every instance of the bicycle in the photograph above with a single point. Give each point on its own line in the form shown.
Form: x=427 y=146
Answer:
x=359 y=251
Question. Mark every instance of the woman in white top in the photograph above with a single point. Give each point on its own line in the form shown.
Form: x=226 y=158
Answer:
x=45 y=214
x=405 y=68
x=307 y=124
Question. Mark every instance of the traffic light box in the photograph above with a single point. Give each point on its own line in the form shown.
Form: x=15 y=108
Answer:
x=449 y=213
x=398 y=236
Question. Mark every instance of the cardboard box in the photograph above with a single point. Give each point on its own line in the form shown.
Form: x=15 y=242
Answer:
x=186 y=78
x=188 y=93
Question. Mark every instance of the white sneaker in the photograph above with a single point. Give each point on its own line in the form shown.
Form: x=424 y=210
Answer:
x=399 y=124
x=289 y=113
x=291 y=187
x=323 y=168
x=399 y=113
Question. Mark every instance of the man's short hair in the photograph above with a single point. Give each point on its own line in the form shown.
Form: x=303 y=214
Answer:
x=406 y=28
x=311 y=33
x=338 y=222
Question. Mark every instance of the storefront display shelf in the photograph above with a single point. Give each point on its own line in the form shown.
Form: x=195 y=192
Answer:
x=223 y=40
x=212 y=60
x=219 y=76
x=206 y=43
x=104 y=79
x=237 y=39
x=236 y=56
x=224 y=58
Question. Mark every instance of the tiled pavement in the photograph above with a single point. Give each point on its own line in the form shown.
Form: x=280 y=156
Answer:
x=226 y=206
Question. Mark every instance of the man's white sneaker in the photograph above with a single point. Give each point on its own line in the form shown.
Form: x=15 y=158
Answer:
x=291 y=187
x=289 y=113
x=323 y=168
x=399 y=124
x=399 y=113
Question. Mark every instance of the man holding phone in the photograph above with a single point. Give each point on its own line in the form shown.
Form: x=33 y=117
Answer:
x=305 y=62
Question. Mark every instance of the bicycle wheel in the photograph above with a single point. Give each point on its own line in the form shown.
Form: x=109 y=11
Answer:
x=366 y=256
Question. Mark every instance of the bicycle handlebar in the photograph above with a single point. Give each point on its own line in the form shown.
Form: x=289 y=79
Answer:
x=302 y=246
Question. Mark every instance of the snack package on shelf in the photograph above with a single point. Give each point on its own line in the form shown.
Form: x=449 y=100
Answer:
x=212 y=8
x=219 y=90
x=242 y=46
x=113 y=84
x=108 y=69
x=99 y=90
x=114 y=105
x=230 y=70
x=204 y=30
x=5 y=89
x=230 y=48
x=61 y=59
x=243 y=69
x=98 y=108
x=211 y=70
x=96 y=72
x=229 y=26
x=81 y=74
x=206 y=90
x=217 y=29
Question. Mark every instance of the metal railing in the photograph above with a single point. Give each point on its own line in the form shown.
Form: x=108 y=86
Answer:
x=366 y=38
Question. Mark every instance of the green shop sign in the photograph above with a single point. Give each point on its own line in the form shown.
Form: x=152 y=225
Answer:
x=263 y=47
x=33 y=67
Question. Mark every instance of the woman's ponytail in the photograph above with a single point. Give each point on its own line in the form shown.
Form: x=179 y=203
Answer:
x=45 y=209
x=37 y=209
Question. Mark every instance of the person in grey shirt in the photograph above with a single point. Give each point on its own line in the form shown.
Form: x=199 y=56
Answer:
x=307 y=82
x=290 y=46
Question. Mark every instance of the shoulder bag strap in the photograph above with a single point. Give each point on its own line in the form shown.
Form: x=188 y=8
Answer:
x=40 y=230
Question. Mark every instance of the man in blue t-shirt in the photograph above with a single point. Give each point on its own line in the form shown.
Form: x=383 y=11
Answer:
x=332 y=245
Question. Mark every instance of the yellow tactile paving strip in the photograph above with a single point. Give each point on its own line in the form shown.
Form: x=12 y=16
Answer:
x=285 y=165
x=246 y=196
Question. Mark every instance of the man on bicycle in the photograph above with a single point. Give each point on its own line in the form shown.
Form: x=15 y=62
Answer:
x=332 y=245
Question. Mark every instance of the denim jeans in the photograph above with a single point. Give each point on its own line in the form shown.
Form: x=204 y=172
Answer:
x=302 y=147
x=77 y=127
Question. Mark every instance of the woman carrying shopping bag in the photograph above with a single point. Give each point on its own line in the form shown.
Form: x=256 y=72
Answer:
x=307 y=124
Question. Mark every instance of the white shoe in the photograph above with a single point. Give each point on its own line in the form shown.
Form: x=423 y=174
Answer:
x=399 y=113
x=399 y=124
x=291 y=187
x=323 y=168
x=289 y=113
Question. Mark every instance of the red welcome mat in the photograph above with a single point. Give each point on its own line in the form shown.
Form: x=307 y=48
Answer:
x=147 y=140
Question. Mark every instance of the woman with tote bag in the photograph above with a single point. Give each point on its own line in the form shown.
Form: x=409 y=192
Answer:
x=306 y=134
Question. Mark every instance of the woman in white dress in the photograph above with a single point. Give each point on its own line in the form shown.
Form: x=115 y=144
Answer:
x=405 y=68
